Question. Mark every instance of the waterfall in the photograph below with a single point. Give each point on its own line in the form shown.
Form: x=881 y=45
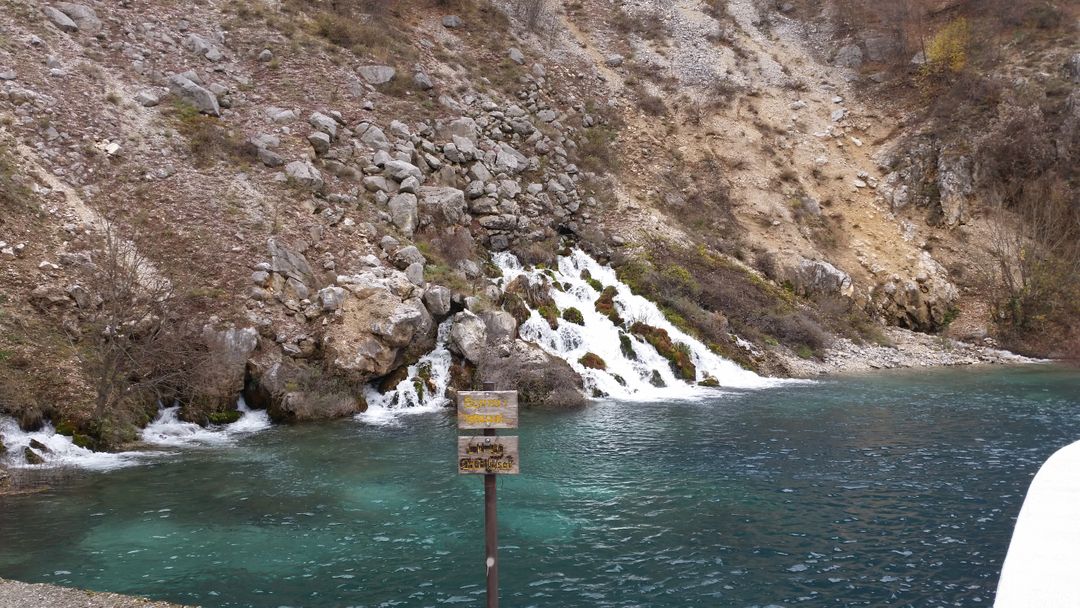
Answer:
x=168 y=430
x=634 y=369
x=422 y=390
x=62 y=452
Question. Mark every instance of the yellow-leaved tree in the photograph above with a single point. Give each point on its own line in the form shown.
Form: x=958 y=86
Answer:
x=947 y=51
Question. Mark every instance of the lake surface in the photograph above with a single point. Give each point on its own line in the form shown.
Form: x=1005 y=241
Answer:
x=896 y=489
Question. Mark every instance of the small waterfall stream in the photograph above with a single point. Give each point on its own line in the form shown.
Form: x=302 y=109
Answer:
x=168 y=430
x=422 y=390
x=634 y=368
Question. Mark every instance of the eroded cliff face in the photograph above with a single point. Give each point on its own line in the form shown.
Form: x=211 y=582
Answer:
x=322 y=186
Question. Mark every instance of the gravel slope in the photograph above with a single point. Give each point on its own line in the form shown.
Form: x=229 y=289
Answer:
x=14 y=594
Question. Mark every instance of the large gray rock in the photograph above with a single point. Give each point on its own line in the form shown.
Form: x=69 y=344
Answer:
x=373 y=136
x=191 y=93
x=303 y=173
x=219 y=377
x=289 y=262
x=501 y=326
x=407 y=256
x=403 y=212
x=437 y=299
x=516 y=56
x=461 y=127
x=955 y=186
x=83 y=16
x=203 y=48
x=323 y=123
x=509 y=160
x=849 y=56
x=451 y=21
x=384 y=325
x=399 y=170
x=541 y=379
x=377 y=74
x=60 y=20
x=812 y=277
x=468 y=337
x=446 y=206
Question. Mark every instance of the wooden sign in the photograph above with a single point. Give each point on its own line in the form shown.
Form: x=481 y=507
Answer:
x=488 y=454
x=487 y=410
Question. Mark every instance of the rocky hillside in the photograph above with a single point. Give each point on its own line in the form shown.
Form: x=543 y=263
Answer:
x=285 y=198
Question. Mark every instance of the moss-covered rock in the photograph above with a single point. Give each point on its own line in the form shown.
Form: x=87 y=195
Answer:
x=391 y=381
x=626 y=345
x=593 y=361
x=83 y=441
x=605 y=305
x=550 y=313
x=65 y=427
x=573 y=315
x=225 y=417
x=32 y=457
x=677 y=354
x=656 y=379
x=710 y=382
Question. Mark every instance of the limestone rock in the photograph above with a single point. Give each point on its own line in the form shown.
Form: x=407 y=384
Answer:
x=849 y=56
x=289 y=262
x=303 y=173
x=377 y=74
x=446 y=206
x=451 y=21
x=541 y=379
x=437 y=300
x=203 y=100
x=60 y=20
x=403 y=212
x=468 y=336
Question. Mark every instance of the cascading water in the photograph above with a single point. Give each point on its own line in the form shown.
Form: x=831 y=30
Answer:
x=60 y=450
x=422 y=390
x=634 y=369
x=168 y=430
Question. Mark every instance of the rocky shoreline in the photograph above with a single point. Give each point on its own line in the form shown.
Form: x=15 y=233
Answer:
x=15 y=594
x=905 y=349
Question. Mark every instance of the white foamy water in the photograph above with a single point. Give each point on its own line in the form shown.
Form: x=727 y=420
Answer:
x=422 y=390
x=168 y=430
x=626 y=377
x=165 y=431
x=61 y=451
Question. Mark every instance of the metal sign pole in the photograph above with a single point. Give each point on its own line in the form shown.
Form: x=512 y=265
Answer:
x=491 y=537
x=491 y=529
x=491 y=455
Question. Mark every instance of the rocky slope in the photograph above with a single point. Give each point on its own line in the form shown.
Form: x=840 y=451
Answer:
x=308 y=191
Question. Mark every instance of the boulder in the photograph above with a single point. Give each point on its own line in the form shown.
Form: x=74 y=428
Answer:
x=331 y=298
x=322 y=122
x=451 y=21
x=32 y=457
x=303 y=173
x=384 y=326
x=377 y=74
x=289 y=263
x=423 y=81
x=541 y=379
x=812 y=277
x=320 y=142
x=437 y=300
x=372 y=136
x=407 y=256
x=956 y=187
x=468 y=337
x=509 y=160
x=1072 y=68
x=501 y=326
x=849 y=56
x=614 y=61
x=220 y=376
x=83 y=16
x=462 y=127
x=202 y=47
x=293 y=391
x=446 y=206
x=516 y=56
x=60 y=20
x=403 y=212
x=399 y=170
x=191 y=93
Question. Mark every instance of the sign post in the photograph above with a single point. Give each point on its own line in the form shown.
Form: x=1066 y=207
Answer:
x=490 y=455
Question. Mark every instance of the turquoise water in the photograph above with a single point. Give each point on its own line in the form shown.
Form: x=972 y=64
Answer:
x=898 y=489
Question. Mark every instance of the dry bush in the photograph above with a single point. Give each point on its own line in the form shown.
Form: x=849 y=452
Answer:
x=208 y=141
x=648 y=26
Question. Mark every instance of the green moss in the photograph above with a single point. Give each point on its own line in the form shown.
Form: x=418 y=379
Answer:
x=83 y=441
x=573 y=315
x=597 y=285
x=626 y=345
x=710 y=382
x=226 y=417
x=605 y=305
x=550 y=313
x=677 y=354
x=65 y=427
x=804 y=351
x=593 y=361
